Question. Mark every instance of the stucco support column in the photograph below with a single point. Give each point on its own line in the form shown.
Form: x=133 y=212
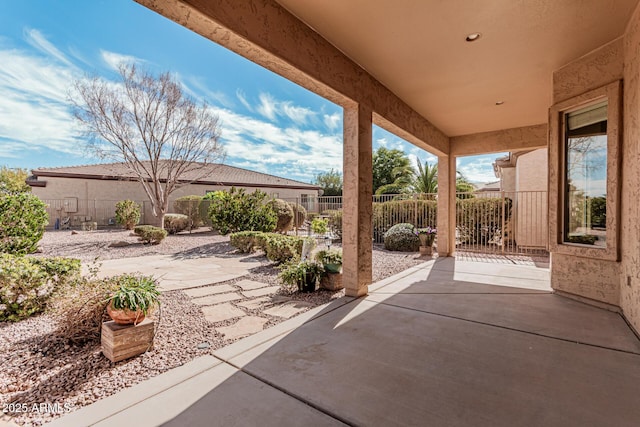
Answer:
x=446 y=205
x=357 y=201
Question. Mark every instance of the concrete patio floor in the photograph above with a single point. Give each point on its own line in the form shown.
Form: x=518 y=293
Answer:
x=436 y=345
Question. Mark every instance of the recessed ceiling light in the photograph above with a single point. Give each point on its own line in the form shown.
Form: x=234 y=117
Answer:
x=473 y=37
x=499 y=102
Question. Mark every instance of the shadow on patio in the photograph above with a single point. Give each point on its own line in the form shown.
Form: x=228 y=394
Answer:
x=439 y=345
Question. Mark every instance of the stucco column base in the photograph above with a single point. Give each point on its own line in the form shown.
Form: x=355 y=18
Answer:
x=357 y=207
x=446 y=205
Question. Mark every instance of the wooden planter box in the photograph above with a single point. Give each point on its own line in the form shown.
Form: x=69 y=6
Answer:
x=331 y=281
x=121 y=342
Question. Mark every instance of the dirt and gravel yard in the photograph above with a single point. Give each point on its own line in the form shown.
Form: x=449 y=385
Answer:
x=37 y=368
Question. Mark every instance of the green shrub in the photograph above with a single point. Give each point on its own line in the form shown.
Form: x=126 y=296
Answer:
x=331 y=259
x=127 y=213
x=190 y=206
x=298 y=273
x=23 y=217
x=150 y=234
x=175 y=223
x=335 y=222
x=281 y=248
x=246 y=241
x=27 y=283
x=401 y=237
x=320 y=226
x=284 y=212
x=299 y=214
x=420 y=212
x=478 y=219
x=134 y=292
x=234 y=210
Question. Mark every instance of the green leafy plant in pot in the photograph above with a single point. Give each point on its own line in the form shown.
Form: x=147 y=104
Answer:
x=303 y=274
x=331 y=261
x=133 y=299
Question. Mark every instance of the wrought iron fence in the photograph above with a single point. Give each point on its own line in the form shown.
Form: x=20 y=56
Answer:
x=498 y=222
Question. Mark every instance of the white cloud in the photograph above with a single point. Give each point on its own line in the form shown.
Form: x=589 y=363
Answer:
x=333 y=121
x=34 y=110
x=114 y=60
x=243 y=99
x=478 y=168
x=297 y=114
x=267 y=106
x=38 y=41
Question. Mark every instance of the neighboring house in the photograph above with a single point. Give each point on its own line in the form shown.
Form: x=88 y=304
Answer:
x=523 y=178
x=89 y=192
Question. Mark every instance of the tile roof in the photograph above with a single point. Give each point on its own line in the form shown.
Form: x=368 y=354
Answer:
x=220 y=174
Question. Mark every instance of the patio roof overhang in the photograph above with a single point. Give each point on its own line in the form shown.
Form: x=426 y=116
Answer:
x=407 y=67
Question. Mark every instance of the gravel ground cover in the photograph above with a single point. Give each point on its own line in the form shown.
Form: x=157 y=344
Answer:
x=36 y=367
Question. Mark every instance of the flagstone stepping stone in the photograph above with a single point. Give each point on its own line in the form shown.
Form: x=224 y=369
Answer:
x=254 y=304
x=217 y=299
x=209 y=290
x=246 y=326
x=261 y=292
x=220 y=312
x=247 y=285
x=288 y=309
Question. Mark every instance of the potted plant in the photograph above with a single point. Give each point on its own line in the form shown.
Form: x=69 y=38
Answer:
x=133 y=299
x=304 y=274
x=331 y=261
x=426 y=236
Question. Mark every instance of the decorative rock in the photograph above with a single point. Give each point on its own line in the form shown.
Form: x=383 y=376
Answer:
x=218 y=313
x=119 y=244
x=203 y=346
x=73 y=232
x=243 y=327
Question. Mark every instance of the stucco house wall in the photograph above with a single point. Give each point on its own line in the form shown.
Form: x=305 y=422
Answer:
x=612 y=281
x=93 y=199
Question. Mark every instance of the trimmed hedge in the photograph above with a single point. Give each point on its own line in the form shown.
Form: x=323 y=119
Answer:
x=299 y=214
x=23 y=217
x=234 y=210
x=401 y=237
x=175 y=223
x=421 y=213
x=479 y=219
x=150 y=234
x=26 y=283
x=190 y=206
x=285 y=214
x=127 y=213
x=277 y=247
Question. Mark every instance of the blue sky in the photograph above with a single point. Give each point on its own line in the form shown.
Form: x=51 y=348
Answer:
x=268 y=123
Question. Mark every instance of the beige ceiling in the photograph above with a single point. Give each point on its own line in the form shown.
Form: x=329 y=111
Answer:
x=417 y=49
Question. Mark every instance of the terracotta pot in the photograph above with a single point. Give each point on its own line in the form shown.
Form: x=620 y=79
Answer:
x=426 y=250
x=125 y=316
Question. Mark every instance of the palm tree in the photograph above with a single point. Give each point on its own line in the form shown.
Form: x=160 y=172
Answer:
x=426 y=179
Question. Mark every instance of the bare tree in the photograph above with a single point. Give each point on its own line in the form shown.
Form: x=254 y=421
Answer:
x=150 y=126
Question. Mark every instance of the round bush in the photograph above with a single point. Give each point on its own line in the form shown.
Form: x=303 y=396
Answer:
x=127 y=213
x=175 y=223
x=285 y=215
x=401 y=237
x=23 y=217
x=190 y=206
x=299 y=214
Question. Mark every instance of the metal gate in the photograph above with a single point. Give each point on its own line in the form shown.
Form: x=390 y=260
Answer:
x=502 y=222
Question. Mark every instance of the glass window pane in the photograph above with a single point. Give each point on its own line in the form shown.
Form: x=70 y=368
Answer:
x=586 y=177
